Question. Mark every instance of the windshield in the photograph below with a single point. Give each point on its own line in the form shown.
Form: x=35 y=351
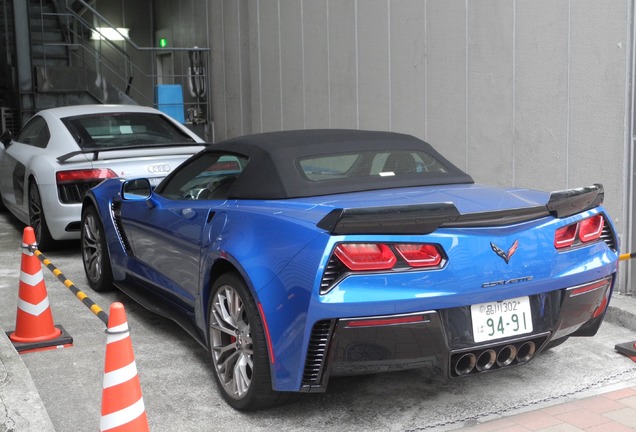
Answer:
x=108 y=130
x=208 y=176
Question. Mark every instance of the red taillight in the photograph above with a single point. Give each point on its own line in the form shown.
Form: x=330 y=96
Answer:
x=84 y=175
x=366 y=256
x=591 y=228
x=380 y=256
x=585 y=231
x=565 y=236
x=420 y=255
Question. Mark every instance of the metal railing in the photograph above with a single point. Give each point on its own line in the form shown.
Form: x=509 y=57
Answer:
x=120 y=67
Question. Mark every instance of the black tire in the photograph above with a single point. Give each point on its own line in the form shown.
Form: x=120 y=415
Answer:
x=95 y=255
x=3 y=208
x=238 y=348
x=37 y=220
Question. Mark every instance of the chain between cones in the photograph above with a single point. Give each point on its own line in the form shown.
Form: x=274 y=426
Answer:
x=90 y=304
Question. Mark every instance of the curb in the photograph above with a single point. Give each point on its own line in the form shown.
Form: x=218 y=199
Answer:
x=23 y=407
x=622 y=312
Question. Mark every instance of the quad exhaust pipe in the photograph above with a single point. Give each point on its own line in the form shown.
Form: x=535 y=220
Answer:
x=486 y=360
x=465 y=364
x=482 y=360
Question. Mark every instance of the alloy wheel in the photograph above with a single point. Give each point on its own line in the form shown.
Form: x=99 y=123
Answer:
x=231 y=342
x=92 y=248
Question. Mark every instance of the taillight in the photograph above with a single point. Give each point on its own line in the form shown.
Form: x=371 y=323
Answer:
x=591 y=228
x=585 y=231
x=366 y=256
x=420 y=255
x=381 y=256
x=565 y=236
x=84 y=175
x=360 y=257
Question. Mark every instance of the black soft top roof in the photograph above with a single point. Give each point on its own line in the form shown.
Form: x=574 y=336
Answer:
x=273 y=170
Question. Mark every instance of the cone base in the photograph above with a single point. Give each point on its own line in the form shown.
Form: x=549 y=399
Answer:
x=55 y=333
x=64 y=339
x=628 y=349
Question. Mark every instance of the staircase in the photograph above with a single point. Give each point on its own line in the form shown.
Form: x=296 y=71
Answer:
x=49 y=42
x=61 y=75
x=53 y=74
x=47 y=60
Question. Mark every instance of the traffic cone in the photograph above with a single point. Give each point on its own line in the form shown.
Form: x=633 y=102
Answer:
x=34 y=329
x=628 y=349
x=123 y=407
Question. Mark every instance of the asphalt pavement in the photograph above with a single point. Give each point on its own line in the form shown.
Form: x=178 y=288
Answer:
x=61 y=390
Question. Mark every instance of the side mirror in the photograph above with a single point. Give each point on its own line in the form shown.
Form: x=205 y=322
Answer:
x=6 y=138
x=136 y=190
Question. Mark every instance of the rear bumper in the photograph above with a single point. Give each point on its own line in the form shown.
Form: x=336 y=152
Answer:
x=63 y=220
x=443 y=338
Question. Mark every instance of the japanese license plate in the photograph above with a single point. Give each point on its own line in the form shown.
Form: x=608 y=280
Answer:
x=501 y=319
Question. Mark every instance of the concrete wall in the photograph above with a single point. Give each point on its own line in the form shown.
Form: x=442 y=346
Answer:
x=184 y=24
x=531 y=93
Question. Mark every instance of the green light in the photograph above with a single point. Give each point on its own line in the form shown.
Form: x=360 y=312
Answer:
x=163 y=42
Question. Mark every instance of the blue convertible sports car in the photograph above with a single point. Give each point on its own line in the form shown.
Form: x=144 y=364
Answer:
x=301 y=255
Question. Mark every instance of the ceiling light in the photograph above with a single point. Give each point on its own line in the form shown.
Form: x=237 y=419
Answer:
x=110 y=33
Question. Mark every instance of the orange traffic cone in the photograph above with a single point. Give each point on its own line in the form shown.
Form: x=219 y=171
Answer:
x=35 y=330
x=123 y=407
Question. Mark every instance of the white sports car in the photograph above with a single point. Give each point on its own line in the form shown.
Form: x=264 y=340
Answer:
x=61 y=153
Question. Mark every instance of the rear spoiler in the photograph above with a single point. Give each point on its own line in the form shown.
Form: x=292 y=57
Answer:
x=572 y=201
x=422 y=219
x=426 y=218
x=97 y=150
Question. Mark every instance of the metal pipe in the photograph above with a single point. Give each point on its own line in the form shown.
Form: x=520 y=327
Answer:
x=506 y=355
x=525 y=352
x=486 y=360
x=465 y=364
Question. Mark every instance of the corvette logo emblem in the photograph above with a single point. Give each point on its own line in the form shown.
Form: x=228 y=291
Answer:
x=505 y=255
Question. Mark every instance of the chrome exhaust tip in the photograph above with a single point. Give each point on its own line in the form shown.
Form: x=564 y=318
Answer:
x=506 y=355
x=486 y=360
x=526 y=352
x=465 y=364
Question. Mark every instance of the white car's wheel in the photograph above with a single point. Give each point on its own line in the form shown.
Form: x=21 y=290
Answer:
x=37 y=220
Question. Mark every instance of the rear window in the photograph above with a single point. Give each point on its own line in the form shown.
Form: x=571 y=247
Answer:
x=372 y=164
x=108 y=130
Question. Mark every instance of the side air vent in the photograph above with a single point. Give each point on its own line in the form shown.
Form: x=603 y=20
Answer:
x=317 y=354
x=332 y=272
x=116 y=212
x=608 y=237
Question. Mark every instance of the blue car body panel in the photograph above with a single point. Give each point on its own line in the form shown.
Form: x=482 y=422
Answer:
x=172 y=248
